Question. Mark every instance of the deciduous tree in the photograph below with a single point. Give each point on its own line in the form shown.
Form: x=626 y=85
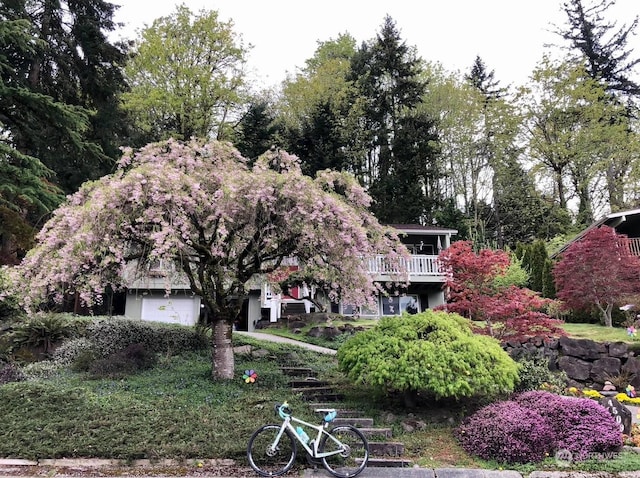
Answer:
x=476 y=289
x=200 y=207
x=186 y=76
x=597 y=270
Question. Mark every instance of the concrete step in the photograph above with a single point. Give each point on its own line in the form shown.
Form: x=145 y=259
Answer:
x=323 y=394
x=299 y=371
x=355 y=421
x=376 y=432
x=308 y=382
x=340 y=410
x=375 y=462
x=386 y=449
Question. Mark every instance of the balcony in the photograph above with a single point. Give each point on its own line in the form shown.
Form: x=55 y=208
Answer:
x=421 y=268
x=634 y=245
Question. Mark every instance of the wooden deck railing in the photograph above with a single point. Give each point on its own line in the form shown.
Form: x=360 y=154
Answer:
x=634 y=245
x=417 y=265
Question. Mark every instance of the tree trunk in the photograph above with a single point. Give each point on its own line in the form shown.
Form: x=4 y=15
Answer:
x=606 y=314
x=222 y=350
x=608 y=320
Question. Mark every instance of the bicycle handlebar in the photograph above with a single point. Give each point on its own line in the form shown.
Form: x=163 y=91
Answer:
x=283 y=410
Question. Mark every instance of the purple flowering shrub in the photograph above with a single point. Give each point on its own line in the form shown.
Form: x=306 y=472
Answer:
x=507 y=432
x=10 y=373
x=581 y=425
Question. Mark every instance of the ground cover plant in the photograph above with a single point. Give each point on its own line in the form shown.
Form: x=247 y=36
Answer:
x=172 y=410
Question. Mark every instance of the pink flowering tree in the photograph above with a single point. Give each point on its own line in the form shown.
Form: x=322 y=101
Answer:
x=202 y=208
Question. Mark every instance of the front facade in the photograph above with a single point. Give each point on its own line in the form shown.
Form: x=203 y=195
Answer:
x=148 y=300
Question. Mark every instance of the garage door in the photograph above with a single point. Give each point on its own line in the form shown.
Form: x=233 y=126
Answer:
x=173 y=310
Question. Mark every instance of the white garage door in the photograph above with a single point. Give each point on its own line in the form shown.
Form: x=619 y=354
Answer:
x=173 y=310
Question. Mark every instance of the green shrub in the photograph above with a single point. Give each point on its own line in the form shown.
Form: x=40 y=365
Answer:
x=42 y=370
x=40 y=332
x=132 y=359
x=432 y=352
x=73 y=351
x=534 y=374
x=9 y=302
x=113 y=334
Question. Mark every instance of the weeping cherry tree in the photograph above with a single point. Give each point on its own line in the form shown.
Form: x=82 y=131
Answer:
x=219 y=222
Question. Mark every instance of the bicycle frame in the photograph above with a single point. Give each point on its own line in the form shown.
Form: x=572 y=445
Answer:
x=286 y=424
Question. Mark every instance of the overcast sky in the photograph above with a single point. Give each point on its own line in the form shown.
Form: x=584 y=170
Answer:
x=509 y=35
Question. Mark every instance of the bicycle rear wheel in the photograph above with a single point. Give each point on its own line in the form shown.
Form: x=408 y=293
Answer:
x=353 y=451
x=266 y=459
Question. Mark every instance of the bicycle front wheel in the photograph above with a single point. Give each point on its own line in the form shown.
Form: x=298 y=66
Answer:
x=349 y=448
x=267 y=457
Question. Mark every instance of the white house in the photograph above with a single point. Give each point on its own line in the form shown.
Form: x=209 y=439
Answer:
x=146 y=298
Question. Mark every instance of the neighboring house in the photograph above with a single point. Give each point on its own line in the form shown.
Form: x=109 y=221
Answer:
x=146 y=298
x=624 y=222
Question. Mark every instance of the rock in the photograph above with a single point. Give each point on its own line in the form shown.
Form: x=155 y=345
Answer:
x=618 y=349
x=582 y=348
x=575 y=368
x=242 y=350
x=260 y=353
x=296 y=324
x=315 y=332
x=331 y=332
x=407 y=427
x=621 y=413
x=388 y=418
x=347 y=329
x=604 y=368
x=632 y=367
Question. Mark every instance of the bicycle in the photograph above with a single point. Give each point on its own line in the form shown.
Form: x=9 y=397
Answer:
x=272 y=449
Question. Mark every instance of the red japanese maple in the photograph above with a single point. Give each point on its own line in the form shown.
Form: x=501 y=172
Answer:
x=504 y=311
x=597 y=270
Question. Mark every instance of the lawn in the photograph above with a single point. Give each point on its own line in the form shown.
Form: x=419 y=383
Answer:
x=599 y=333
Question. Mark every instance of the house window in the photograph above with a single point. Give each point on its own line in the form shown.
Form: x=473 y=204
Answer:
x=409 y=304
x=398 y=305
x=362 y=311
x=391 y=305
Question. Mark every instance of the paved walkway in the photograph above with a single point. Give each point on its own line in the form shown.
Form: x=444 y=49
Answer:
x=284 y=340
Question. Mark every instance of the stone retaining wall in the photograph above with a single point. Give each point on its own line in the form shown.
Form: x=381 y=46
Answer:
x=586 y=363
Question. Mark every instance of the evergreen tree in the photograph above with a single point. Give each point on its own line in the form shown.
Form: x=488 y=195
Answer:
x=537 y=257
x=314 y=109
x=601 y=45
x=398 y=141
x=548 y=284
x=320 y=142
x=71 y=122
x=257 y=130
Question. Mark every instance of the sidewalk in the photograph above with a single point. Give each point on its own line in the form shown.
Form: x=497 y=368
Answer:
x=229 y=469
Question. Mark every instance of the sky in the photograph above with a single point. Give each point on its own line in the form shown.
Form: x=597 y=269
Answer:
x=509 y=35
